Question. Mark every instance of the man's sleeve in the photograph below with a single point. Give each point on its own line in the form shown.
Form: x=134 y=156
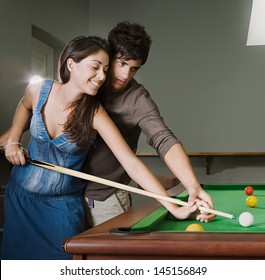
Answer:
x=147 y=115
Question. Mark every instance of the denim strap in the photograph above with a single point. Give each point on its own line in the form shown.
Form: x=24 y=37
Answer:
x=44 y=93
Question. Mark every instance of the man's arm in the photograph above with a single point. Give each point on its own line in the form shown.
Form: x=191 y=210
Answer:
x=170 y=149
x=178 y=162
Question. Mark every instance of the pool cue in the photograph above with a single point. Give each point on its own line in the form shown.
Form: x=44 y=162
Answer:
x=96 y=179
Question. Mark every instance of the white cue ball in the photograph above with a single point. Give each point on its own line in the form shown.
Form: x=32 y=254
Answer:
x=246 y=219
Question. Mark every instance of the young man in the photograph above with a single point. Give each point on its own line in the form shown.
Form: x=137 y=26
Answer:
x=132 y=109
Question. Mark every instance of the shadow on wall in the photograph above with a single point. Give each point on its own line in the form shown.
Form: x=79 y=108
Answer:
x=221 y=164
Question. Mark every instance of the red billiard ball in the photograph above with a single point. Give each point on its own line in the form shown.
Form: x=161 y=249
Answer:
x=249 y=190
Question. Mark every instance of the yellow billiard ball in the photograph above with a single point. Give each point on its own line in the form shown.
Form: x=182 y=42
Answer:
x=251 y=201
x=194 y=227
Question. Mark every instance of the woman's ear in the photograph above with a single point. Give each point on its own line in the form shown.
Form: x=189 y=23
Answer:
x=70 y=64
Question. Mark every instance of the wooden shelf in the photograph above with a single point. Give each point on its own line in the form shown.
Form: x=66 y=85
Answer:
x=209 y=155
x=225 y=154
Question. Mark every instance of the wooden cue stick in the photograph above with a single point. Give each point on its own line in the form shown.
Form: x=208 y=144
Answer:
x=96 y=179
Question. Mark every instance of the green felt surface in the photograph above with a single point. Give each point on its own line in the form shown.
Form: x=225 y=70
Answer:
x=229 y=198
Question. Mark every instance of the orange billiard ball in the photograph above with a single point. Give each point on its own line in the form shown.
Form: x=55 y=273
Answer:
x=194 y=227
x=249 y=190
x=251 y=201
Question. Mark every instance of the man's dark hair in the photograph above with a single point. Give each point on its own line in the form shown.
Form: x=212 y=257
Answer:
x=130 y=41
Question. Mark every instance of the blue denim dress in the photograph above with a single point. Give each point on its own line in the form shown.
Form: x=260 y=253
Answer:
x=43 y=207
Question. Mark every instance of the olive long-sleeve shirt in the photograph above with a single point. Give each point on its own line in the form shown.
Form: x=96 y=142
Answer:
x=133 y=111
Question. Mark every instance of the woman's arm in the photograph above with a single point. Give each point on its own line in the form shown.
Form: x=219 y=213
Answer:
x=135 y=168
x=20 y=124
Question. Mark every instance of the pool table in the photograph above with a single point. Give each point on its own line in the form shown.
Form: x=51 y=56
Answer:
x=150 y=232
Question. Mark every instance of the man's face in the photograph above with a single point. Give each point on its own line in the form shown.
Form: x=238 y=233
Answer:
x=122 y=71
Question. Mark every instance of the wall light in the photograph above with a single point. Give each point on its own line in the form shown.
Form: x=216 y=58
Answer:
x=256 y=32
x=35 y=79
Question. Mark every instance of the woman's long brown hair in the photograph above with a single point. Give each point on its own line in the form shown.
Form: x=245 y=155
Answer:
x=79 y=123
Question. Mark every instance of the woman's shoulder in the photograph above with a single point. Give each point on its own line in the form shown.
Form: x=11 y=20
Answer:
x=34 y=89
x=100 y=116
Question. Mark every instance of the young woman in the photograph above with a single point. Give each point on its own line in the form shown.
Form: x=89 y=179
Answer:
x=43 y=207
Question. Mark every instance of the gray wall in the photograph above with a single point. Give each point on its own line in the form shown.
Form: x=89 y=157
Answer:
x=55 y=21
x=209 y=86
x=61 y=19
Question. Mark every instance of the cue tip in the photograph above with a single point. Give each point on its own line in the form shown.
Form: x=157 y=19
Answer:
x=234 y=217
